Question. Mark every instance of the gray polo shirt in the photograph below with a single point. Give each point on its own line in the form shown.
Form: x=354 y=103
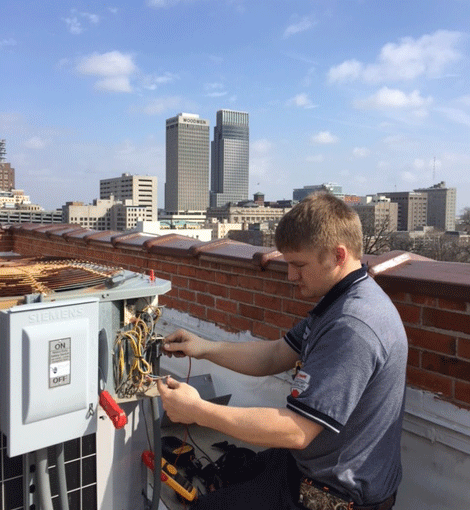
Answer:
x=353 y=349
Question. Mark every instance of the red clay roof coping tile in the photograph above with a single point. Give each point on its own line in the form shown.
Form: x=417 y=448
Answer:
x=130 y=240
x=172 y=244
x=102 y=236
x=77 y=235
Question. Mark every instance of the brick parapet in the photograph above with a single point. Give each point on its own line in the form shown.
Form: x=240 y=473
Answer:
x=241 y=287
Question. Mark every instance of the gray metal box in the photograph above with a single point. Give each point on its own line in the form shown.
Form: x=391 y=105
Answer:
x=48 y=372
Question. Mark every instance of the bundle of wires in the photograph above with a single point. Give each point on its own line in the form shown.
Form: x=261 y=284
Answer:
x=136 y=351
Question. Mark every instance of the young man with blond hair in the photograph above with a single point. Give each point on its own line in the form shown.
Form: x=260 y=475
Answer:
x=336 y=444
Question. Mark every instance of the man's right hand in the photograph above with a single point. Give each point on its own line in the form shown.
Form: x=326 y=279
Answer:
x=183 y=343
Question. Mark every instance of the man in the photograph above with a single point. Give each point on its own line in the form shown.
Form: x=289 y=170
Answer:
x=339 y=435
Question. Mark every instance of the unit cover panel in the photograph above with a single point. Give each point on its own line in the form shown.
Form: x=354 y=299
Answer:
x=49 y=373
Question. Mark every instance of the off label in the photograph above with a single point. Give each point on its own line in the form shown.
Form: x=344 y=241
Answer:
x=59 y=362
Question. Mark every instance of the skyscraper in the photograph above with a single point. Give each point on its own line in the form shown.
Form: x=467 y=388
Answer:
x=187 y=163
x=230 y=158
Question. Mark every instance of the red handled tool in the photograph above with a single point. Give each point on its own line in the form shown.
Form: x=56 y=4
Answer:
x=115 y=413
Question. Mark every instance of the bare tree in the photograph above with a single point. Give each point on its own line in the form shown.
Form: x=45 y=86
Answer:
x=376 y=235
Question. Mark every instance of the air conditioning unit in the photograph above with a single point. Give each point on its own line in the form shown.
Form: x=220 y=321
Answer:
x=71 y=330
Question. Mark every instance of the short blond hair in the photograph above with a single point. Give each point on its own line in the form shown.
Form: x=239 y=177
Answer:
x=320 y=221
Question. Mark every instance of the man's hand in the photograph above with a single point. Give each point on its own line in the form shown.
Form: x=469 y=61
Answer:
x=180 y=401
x=183 y=343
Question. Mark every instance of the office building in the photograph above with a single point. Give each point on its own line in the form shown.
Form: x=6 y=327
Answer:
x=329 y=187
x=441 y=206
x=230 y=158
x=412 y=209
x=137 y=191
x=378 y=214
x=7 y=173
x=187 y=163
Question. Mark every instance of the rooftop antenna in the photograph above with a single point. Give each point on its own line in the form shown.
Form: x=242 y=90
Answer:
x=434 y=171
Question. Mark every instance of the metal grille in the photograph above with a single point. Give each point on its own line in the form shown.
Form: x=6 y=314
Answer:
x=20 y=278
x=80 y=468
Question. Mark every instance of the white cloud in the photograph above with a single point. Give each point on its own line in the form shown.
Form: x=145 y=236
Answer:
x=215 y=90
x=464 y=100
x=302 y=101
x=7 y=42
x=361 y=152
x=114 y=84
x=387 y=98
x=324 y=137
x=300 y=26
x=455 y=115
x=74 y=26
x=408 y=177
x=411 y=58
x=348 y=70
x=74 y=21
x=113 y=63
x=114 y=68
x=261 y=146
x=151 y=82
x=160 y=105
x=94 y=19
x=216 y=94
x=318 y=158
x=394 y=140
x=36 y=142
x=260 y=158
x=419 y=164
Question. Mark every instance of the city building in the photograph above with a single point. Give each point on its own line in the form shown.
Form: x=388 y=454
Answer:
x=187 y=163
x=30 y=214
x=247 y=214
x=441 y=206
x=105 y=214
x=14 y=198
x=378 y=214
x=230 y=158
x=330 y=187
x=7 y=173
x=138 y=191
x=412 y=208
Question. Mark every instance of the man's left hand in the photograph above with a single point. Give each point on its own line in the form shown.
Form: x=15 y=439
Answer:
x=180 y=401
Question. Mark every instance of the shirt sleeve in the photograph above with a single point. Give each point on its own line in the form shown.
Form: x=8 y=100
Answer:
x=294 y=336
x=335 y=373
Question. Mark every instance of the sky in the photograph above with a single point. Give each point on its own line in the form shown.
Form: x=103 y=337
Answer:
x=374 y=96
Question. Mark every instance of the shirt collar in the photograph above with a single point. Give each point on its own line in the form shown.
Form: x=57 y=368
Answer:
x=340 y=288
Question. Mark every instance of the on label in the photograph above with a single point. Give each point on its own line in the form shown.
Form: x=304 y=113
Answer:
x=59 y=362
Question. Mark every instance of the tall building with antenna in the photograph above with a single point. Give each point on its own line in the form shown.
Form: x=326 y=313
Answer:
x=230 y=158
x=7 y=173
x=441 y=208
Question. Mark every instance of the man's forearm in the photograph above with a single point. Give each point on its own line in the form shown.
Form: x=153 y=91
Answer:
x=267 y=427
x=258 y=358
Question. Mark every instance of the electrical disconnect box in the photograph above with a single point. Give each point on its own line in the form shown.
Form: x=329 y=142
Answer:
x=49 y=372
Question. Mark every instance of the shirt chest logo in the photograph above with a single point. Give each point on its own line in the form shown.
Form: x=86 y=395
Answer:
x=300 y=384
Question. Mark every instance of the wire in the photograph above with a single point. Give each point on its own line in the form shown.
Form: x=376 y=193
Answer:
x=135 y=349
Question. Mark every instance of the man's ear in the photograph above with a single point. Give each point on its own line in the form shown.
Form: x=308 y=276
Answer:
x=341 y=254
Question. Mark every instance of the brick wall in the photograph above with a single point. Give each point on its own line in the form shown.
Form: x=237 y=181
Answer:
x=241 y=287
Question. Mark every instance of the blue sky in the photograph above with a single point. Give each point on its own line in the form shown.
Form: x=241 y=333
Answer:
x=372 y=95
